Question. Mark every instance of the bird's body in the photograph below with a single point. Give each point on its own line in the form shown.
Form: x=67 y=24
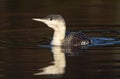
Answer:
x=60 y=38
x=76 y=39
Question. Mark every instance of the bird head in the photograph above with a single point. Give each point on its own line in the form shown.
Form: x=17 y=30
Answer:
x=53 y=21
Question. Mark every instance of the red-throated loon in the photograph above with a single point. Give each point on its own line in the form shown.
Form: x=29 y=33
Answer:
x=60 y=38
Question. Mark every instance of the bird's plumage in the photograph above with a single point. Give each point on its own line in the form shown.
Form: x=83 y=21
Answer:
x=57 y=23
x=76 y=39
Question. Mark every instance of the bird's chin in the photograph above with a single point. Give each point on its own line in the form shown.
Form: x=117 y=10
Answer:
x=50 y=26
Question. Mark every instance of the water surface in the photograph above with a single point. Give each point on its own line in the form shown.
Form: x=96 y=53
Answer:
x=25 y=52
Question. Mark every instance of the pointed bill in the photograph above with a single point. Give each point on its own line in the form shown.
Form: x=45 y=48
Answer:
x=36 y=19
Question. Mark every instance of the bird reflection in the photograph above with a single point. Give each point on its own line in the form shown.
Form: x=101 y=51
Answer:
x=59 y=63
x=75 y=51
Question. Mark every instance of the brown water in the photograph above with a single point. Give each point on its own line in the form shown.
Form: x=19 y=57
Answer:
x=21 y=57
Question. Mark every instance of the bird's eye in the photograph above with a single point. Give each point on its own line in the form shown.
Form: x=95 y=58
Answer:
x=50 y=19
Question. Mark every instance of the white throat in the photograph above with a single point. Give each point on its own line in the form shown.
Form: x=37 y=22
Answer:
x=57 y=23
x=59 y=35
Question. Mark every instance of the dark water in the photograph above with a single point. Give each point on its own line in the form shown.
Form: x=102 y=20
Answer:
x=25 y=52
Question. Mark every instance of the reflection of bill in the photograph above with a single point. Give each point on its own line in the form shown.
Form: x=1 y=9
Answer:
x=59 y=63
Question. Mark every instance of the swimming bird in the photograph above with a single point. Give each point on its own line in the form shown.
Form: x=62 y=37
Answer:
x=60 y=37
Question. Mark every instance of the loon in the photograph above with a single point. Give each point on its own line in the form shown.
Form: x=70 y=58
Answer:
x=60 y=37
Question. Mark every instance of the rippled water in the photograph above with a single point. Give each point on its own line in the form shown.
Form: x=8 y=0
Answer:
x=25 y=52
